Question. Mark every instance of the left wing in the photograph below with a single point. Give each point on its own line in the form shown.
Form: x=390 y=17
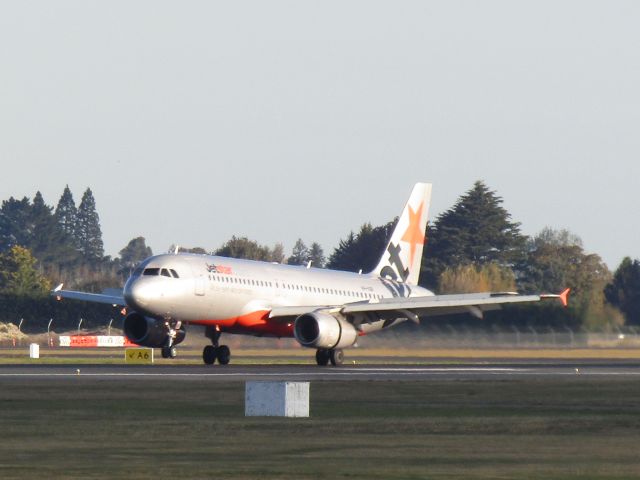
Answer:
x=414 y=308
x=111 y=296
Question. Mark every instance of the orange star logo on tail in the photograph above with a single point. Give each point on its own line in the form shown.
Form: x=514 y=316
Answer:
x=414 y=235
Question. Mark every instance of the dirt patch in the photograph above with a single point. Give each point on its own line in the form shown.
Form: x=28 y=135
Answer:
x=9 y=331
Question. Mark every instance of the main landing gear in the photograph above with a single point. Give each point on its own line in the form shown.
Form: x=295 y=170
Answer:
x=214 y=352
x=333 y=355
x=211 y=353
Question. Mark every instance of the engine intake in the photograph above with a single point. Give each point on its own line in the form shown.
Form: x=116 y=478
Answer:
x=321 y=330
x=148 y=331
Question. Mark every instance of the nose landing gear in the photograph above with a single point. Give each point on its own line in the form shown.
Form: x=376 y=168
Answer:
x=169 y=352
x=173 y=329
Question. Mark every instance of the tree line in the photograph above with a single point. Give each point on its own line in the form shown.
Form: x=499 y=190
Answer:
x=473 y=246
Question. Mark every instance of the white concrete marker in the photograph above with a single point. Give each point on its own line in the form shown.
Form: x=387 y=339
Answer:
x=34 y=350
x=276 y=399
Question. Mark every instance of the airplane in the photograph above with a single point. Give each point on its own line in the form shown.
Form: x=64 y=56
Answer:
x=325 y=310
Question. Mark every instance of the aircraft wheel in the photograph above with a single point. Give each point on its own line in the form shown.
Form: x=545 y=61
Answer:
x=169 y=352
x=336 y=357
x=322 y=357
x=209 y=355
x=224 y=354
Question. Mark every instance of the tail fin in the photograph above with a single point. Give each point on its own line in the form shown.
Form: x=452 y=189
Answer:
x=403 y=256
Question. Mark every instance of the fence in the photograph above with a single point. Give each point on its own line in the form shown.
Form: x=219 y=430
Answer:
x=432 y=335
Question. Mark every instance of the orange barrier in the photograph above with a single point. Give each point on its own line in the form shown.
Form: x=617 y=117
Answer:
x=91 y=341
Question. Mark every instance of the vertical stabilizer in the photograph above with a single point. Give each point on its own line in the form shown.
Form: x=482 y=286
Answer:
x=403 y=256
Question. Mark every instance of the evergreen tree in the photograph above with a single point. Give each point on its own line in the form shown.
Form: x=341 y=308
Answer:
x=624 y=290
x=477 y=230
x=18 y=275
x=88 y=229
x=362 y=251
x=299 y=255
x=67 y=215
x=49 y=244
x=316 y=255
x=15 y=223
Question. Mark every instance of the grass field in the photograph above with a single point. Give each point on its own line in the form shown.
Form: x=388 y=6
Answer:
x=81 y=427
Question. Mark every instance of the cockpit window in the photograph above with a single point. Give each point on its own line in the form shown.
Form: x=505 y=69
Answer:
x=174 y=273
x=151 y=271
x=165 y=273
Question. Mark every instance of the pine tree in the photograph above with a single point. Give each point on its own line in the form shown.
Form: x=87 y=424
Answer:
x=477 y=230
x=15 y=223
x=299 y=255
x=46 y=235
x=362 y=251
x=316 y=255
x=88 y=229
x=67 y=215
x=624 y=290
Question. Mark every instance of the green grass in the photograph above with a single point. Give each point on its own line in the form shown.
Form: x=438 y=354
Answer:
x=92 y=427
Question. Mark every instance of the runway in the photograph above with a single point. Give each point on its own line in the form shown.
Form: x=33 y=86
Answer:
x=489 y=371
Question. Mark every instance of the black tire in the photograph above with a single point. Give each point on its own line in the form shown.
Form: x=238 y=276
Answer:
x=322 y=357
x=336 y=357
x=165 y=352
x=172 y=352
x=209 y=355
x=224 y=355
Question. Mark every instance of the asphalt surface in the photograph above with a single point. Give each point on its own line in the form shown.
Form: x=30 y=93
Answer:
x=214 y=373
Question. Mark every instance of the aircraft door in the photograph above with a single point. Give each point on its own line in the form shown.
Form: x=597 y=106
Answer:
x=199 y=286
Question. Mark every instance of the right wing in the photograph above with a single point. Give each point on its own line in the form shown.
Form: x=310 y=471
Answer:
x=416 y=307
x=110 y=296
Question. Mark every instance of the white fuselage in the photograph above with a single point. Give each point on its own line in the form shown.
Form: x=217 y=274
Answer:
x=237 y=293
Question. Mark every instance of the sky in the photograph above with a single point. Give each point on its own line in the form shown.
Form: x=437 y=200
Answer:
x=193 y=121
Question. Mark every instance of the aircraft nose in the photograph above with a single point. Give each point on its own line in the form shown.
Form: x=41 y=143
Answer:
x=138 y=294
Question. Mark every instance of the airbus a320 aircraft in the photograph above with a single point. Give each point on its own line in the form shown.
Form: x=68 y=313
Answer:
x=325 y=310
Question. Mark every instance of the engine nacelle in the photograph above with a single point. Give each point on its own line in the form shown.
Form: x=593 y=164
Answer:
x=148 y=331
x=321 y=330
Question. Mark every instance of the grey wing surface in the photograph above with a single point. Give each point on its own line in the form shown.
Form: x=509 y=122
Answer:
x=416 y=307
x=110 y=296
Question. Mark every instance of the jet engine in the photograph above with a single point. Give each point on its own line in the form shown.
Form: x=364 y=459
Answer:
x=148 y=331
x=321 y=330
